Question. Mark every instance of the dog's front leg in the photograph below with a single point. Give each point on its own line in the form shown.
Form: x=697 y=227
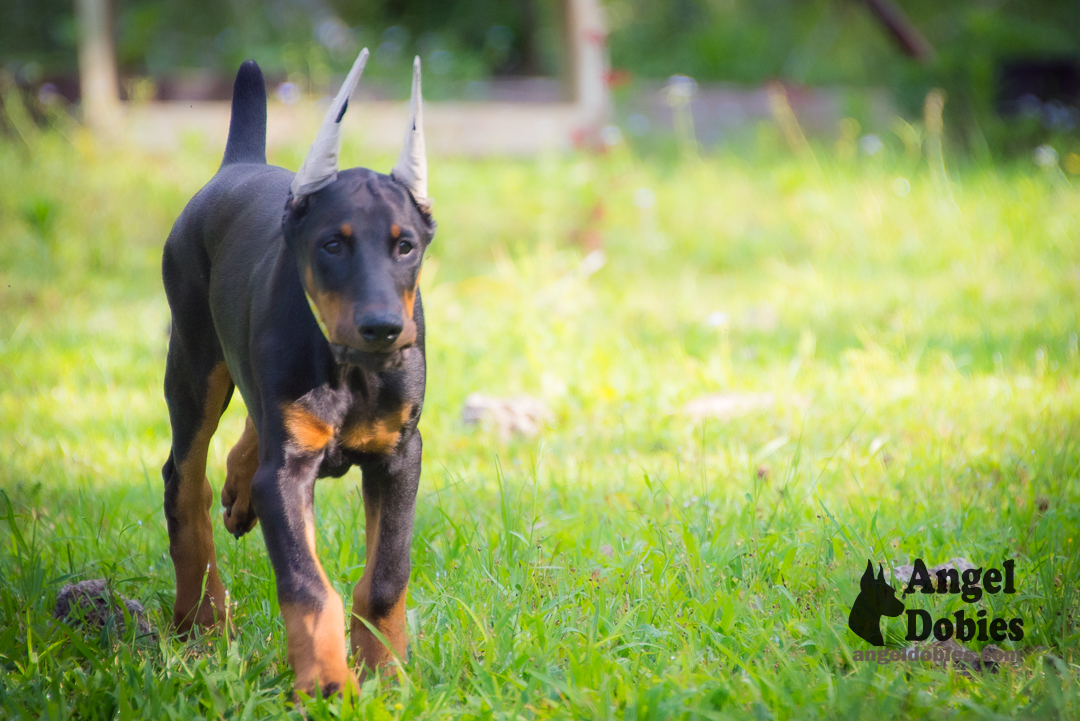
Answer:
x=283 y=495
x=390 y=484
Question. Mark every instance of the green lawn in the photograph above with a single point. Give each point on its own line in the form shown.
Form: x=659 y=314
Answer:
x=632 y=561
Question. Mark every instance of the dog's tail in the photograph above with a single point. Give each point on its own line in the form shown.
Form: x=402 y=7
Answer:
x=247 y=127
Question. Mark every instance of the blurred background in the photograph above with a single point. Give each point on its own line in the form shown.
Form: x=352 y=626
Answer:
x=1009 y=69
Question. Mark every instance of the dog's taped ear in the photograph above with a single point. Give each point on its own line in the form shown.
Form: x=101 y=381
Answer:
x=411 y=167
x=320 y=165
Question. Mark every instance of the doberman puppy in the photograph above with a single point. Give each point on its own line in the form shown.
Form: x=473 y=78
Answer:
x=301 y=291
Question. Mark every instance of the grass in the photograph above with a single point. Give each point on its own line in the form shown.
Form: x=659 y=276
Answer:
x=631 y=562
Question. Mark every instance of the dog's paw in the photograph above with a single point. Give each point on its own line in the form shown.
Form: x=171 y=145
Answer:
x=332 y=688
x=239 y=516
x=207 y=615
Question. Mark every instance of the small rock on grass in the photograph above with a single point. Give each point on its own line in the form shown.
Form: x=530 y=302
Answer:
x=92 y=604
x=962 y=659
x=960 y=564
x=725 y=406
x=521 y=415
x=991 y=658
x=949 y=653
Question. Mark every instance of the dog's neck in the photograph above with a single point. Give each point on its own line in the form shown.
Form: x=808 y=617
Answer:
x=360 y=383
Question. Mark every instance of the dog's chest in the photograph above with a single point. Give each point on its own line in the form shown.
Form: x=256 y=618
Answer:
x=347 y=425
x=373 y=430
x=363 y=434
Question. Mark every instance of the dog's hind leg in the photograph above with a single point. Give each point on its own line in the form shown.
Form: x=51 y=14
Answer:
x=197 y=389
x=242 y=463
x=390 y=485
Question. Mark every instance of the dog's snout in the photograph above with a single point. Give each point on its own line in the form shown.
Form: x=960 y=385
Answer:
x=380 y=328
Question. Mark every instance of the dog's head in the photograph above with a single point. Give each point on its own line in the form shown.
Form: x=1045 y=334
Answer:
x=359 y=238
x=879 y=595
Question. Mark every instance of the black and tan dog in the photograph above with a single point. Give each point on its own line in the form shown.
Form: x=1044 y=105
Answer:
x=301 y=291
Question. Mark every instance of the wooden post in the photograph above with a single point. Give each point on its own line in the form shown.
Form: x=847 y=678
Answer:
x=589 y=64
x=98 y=85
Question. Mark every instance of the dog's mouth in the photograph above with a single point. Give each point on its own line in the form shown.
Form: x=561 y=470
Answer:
x=369 y=360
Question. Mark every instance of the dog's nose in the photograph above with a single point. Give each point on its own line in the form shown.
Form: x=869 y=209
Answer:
x=380 y=328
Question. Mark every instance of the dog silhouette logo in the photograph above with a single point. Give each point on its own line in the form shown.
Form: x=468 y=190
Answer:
x=876 y=599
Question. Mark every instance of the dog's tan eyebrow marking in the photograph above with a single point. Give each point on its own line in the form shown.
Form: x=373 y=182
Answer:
x=346 y=230
x=395 y=230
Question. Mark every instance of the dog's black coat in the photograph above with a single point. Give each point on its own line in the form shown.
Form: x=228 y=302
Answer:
x=235 y=269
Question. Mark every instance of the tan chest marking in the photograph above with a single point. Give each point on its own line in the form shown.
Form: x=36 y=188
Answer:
x=380 y=435
x=306 y=430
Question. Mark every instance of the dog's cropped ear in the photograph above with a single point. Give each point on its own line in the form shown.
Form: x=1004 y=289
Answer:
x=320 y=165
x=868 y=576
x=411 y=167
x=881 y=574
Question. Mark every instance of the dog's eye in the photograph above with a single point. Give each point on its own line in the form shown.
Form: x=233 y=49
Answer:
x=333 y=247
x=404 y=247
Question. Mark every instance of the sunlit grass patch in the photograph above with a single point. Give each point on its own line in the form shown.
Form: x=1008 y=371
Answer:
x=914 y=368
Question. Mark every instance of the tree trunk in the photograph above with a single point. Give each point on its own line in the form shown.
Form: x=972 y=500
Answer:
x=98 y=85
x=589 y=65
